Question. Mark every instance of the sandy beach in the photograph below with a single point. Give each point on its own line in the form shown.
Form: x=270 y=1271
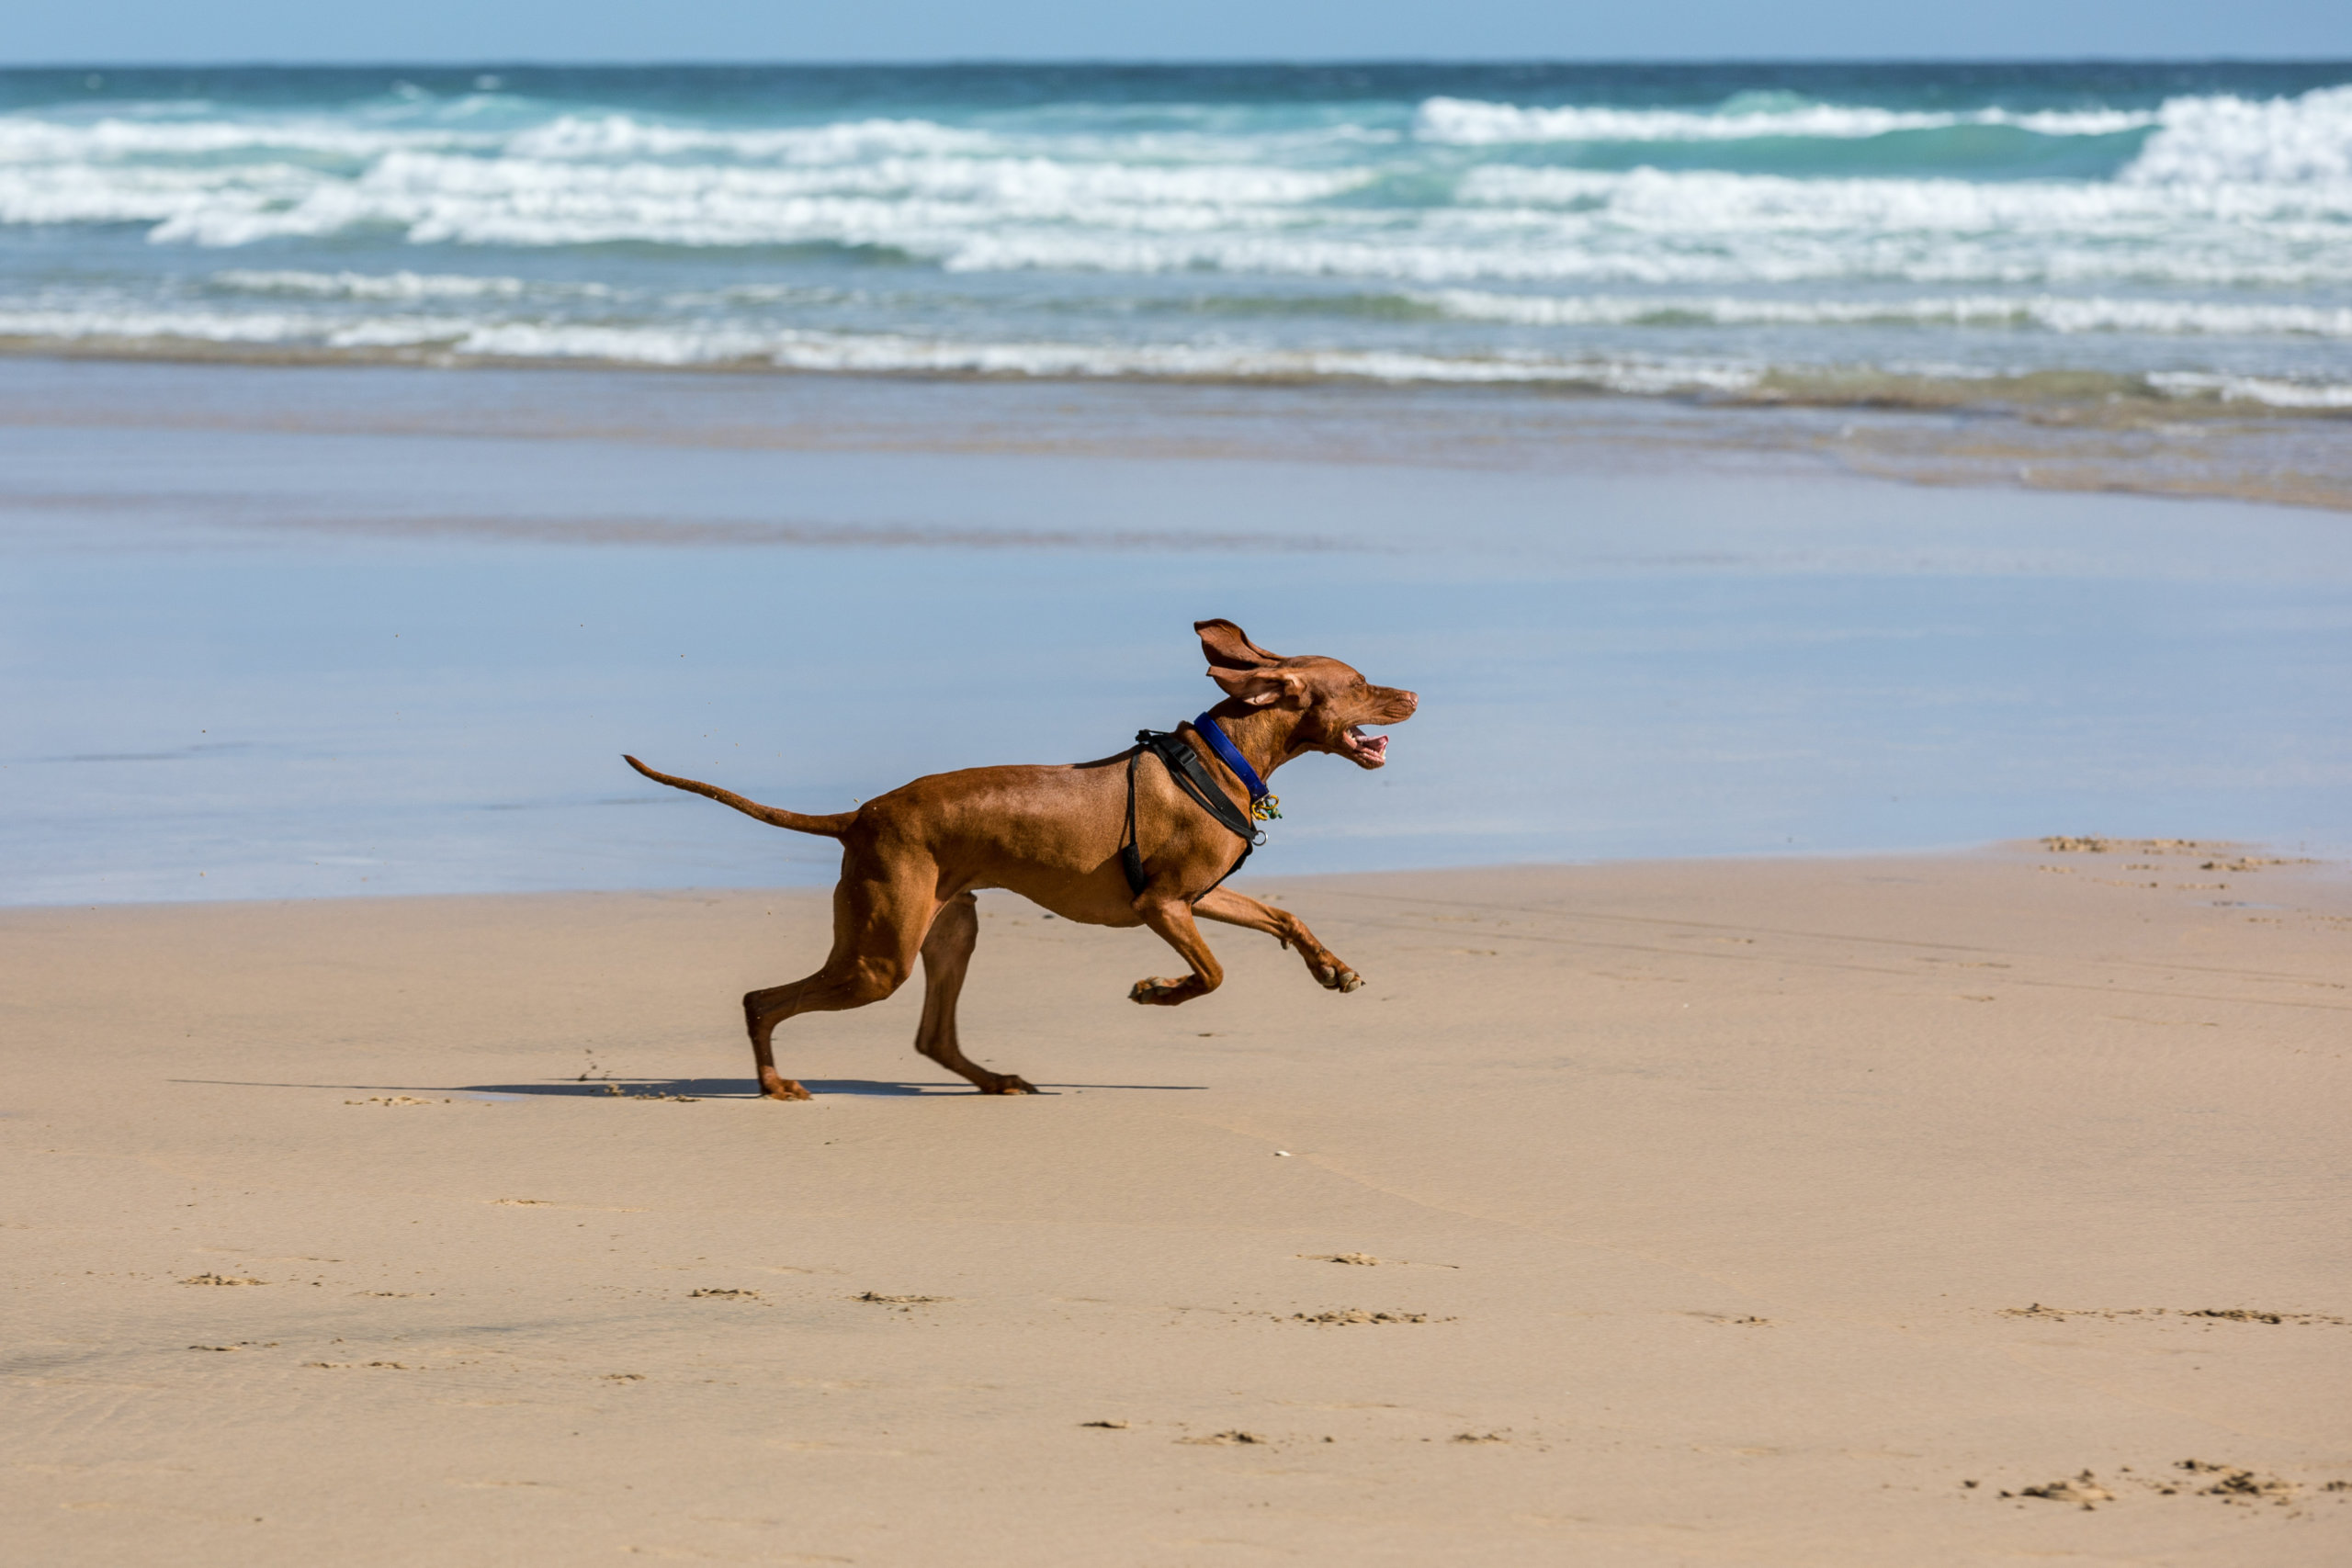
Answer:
x=1720 y=1211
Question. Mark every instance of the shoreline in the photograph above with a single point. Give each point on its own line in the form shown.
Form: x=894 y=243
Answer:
x=2317 y=862
x=2033 y=432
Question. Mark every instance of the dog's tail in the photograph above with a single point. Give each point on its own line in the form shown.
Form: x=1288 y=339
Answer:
x=832 y=827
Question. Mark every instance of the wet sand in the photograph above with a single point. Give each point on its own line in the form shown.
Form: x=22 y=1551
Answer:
x=278 y=632
x=1794 y=1211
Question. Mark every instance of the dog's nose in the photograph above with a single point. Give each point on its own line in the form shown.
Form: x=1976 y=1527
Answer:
x=1409 y=701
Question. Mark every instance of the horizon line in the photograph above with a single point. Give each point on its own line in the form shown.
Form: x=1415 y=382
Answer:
x=1117 y=63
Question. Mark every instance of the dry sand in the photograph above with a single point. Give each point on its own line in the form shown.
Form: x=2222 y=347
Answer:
x=1724 y=1213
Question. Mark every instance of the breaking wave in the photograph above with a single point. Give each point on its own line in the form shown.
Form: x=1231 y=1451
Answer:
x=160 y=333
x=1525 y=224
x=1599 y=232
x=2044 y=312
x=1466 y=122
x=2200 y=140
x=2300 y=141
x=448 y=338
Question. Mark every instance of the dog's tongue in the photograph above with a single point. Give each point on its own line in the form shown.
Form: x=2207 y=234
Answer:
x=1372 y=746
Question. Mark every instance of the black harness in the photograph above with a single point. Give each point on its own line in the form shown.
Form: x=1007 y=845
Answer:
x=1192 y=776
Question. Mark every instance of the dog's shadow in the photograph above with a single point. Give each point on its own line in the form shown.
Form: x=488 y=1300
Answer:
x=678 y=1089
x=749 y=1089
x=703 y=1089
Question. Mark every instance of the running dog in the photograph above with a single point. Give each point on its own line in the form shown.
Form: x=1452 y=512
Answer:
x=1143 y=838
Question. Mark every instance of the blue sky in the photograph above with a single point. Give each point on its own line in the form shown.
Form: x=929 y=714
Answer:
x=132 y=31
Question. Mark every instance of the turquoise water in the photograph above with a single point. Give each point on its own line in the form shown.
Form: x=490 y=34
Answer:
x=1863 y=234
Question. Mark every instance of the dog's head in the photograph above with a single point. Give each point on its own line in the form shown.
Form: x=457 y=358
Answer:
x=1333 y=702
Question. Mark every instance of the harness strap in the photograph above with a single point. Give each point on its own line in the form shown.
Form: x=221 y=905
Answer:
x=1194 y=778
x=1263 y=805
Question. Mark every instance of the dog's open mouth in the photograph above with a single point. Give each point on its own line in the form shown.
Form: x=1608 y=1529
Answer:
x=1364 y=751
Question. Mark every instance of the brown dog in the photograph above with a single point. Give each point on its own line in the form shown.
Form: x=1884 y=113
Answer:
x=911 y=859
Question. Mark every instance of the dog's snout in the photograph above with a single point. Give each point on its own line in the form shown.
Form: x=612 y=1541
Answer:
x=1403 y=704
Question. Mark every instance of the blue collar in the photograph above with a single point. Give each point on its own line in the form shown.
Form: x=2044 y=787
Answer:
x=1230 y=755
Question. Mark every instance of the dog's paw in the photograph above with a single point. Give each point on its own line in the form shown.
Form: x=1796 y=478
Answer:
x=1159 y=993
x=1337 y=977
x=1012 y=1083
x=784 y=1088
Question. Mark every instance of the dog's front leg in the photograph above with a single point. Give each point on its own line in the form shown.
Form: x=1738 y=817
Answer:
x=1234 y=909
x=1173 y=919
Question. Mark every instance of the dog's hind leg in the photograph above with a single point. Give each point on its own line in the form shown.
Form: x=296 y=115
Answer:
x=1234 y=909
x=878 y=925
x=763 y=1011
x=946 y=953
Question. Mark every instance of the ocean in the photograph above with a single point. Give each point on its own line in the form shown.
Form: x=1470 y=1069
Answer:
x=2163 y=236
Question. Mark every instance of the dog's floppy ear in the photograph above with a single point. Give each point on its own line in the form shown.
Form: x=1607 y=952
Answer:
x=1230 y=647
x=1242 y=668
x=1260 y=687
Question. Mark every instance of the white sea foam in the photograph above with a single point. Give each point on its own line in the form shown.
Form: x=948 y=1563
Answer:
x=2048 y=312
x=30 y=138
x=922 y=202
x=133 y=328
x=1504 y=223
x=458 y=338
x=621 y=136
x=1718 y=259
x=88 y=193
x=1644 y=226
x=2267 y=390
x=1687 y=199
x=878 y=352
x=399 y=285
x=1472 y=122
x=2204 y=141
x=2217 y=140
